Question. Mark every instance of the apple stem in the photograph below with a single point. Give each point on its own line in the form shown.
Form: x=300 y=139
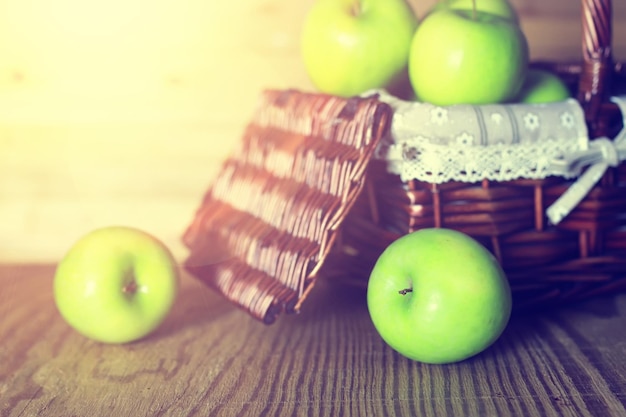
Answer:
x=405 y=291
x=474 y=9
x=130 y=288
x=356 y=8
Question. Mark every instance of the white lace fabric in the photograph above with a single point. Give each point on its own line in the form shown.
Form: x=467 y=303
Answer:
x=471 y=143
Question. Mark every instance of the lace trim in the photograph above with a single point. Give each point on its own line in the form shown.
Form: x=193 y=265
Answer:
x=438 y=164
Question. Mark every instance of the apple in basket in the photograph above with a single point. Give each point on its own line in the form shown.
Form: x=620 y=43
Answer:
x=350 y=46
x=116 y=284
x=438 y=296
x=541 y=86
x=467 y=57
x=498 y=7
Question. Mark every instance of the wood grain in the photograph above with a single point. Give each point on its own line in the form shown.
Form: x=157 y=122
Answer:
x=210 y=358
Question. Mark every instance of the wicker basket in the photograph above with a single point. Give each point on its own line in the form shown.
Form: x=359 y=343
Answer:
x=584 y=255
x=271 y=218
x=303 y=196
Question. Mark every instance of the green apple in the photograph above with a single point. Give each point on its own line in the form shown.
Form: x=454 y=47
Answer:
x=500 y=8
x=438 y=296
x=350 y=46
x=116 y=284
x=459 y=58
x=542 y=86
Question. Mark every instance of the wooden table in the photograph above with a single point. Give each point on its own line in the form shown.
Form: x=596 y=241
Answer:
x=211 y=359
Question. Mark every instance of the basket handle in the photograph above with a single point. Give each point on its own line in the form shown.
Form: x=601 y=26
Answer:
x=597 y=67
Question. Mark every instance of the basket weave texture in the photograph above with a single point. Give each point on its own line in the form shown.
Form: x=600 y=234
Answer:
x=271 y=217
x=582 y=256
x=303 y=193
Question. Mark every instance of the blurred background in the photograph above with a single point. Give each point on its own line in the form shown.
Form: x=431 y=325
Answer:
x=120 y=112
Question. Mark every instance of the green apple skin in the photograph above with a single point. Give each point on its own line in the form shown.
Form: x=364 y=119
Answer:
x=460 y=301
x=351 y=46
x=116 y=284
x=500 y=8
x=456 y=59
x=541 y=86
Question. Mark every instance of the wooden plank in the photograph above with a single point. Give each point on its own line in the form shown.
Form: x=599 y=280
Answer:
x=210 y=358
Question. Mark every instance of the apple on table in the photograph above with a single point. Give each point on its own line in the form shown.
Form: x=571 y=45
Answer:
x=116 y=284
x=351 y=46
x=461 y=56
x=438 y=296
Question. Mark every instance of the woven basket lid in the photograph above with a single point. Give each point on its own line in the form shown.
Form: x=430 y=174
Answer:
x=269 y=219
